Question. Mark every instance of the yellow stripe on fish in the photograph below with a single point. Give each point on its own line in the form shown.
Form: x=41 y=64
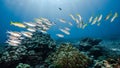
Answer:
x=18 y=24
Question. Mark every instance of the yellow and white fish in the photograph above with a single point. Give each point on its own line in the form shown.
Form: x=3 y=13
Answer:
x=72 y=17
x=11 y=43
x=16 y=34
x=60 y=35
x=15 y=41
x=30 y=24
x=100 y=18
x=27 y=34
x=62 y=20
x=90 y=19
x=46 y=28
x=18 y=24
x=77 y=21
x=44 y=19
x=13 y=37
x=43 y=31
x=80 y=17
x=31 y=29
x=114 y=17
x=39 y=22
x=66 y=28
x=108 y=16
x=65 y=31
x=94 y=21
x=48 y=23
x=83 y=27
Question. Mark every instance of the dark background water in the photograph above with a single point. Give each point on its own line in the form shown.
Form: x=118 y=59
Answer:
x=27 y=10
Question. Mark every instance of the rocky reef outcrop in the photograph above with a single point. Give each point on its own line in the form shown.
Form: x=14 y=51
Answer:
x=87 y=43
x=91 y=47
x=31 y=51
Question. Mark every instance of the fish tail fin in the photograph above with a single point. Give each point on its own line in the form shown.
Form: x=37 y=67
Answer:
x=8 y=31
x=11 y=22
x=116 y=14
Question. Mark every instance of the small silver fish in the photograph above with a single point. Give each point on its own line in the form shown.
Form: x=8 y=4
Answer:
x=115 y=16
x=83 y=27
x=94 y=21
x=43 y=31
x=13 y=37
x=27 y=34
x=62 y=20
x=72 y=17
x=108 y=16
x=16 y=34
x=65 y=31
x=14 y=41
x=91 y=18
x=12 y=44
x=100 y=18
x=70 y=23
x=66 y=28
x=60 y=35
x=30 y=24
x=31 y=29
x=80 y=17
x=77 y=21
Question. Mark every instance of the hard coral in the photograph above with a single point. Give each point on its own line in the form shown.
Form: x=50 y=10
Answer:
x=31 y=51
x=68 y=56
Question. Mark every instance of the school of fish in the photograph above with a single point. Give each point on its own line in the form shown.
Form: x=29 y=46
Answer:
x=44 y=24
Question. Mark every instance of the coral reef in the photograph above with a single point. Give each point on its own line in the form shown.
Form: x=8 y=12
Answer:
x=68 y=56
x=31 y=51
x=40 y=51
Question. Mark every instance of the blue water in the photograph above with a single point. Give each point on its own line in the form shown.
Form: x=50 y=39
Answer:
x=27 y=10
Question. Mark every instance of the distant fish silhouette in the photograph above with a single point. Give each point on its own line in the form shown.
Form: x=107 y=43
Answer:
x=60 y=8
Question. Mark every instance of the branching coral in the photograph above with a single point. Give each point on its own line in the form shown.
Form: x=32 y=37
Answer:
x=68 y=56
